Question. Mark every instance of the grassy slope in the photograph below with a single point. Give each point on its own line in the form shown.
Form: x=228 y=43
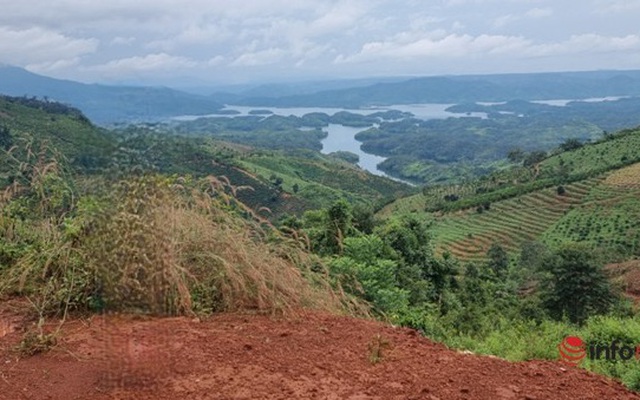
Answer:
x=74 y=136
x=602 y=210
x=320 y=179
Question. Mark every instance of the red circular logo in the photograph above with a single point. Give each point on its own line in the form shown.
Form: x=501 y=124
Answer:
x=572 y=350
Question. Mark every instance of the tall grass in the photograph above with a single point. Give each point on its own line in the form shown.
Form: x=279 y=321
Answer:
x=151 y=244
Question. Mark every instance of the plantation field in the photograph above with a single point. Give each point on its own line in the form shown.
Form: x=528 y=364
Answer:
x=608 y=219
x=468 y=235
x=320 y=180
x=621 y=149
x=626 y=177
x=603 y=212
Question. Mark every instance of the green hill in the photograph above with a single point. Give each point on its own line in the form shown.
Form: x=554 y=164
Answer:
x=277 y=183
x=590 y=195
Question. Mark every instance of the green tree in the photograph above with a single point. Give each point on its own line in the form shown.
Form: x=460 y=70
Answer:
x=516 y=155
x=534 y=158
x=575 y=284
x=498 y=261
x=419 y=271
x=531 y=257
x=5 y=138
x=571 y=144
x=339 y=225
x=363 y=219
x=367 y=269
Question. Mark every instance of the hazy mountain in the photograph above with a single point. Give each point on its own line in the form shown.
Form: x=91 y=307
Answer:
x=106 y=104
x=460 y=89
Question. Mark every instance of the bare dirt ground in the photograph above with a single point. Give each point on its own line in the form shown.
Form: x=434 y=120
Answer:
x=232 y=356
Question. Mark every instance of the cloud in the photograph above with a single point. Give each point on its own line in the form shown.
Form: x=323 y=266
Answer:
x=534 y=13
x=539 y=13
x=257 y=58
x=38 y=46
x=616 y=6
x=486 y=46
x=587 y=44
x=158 y=62
x=448 y=46
x=204 y=39
x=122 y=41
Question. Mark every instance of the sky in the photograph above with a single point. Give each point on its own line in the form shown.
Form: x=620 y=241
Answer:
x=197 y=42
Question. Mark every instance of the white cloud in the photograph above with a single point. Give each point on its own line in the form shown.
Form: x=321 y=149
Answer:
x=122 y=41
x=539 y=13
x=486 y=46
x=449 y=46
x=41 y=46
x=162 y=62
x=616 y=6
x=504 y=20
x=587 y=44
x=258 y=58
x=205 y=39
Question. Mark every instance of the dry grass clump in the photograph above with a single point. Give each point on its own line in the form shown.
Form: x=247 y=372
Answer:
x=162 y=246
x=180 y=250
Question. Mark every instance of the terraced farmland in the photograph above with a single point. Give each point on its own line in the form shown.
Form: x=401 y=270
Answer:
x=468 y=235
x=628 y=177
x=603 y=212
x=608 y=218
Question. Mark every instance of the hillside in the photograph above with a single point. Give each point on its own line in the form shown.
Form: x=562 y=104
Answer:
x=106 y=104
x=311 y=355
x=320 y=180
x=587 y=195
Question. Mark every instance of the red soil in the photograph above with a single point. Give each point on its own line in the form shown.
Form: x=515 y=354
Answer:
x=311 y=356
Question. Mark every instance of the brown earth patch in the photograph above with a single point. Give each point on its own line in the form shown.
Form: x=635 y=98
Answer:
x=310 y=356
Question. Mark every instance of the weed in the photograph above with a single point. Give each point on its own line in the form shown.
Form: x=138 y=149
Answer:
x=377 y=347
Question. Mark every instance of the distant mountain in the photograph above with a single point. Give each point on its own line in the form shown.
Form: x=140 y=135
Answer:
x=106 y=104
x=461 y=89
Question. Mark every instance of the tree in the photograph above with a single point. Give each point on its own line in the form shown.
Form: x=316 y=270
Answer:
x=5 y=138
x=498 y=260
x=561 y=190
x=534 y=158
x=339 y=225
x=295 y=188
x=516 y=155
x=575 y=284
x=571 y=144
x=532 y=255
x=363 y=219
x=418 y=270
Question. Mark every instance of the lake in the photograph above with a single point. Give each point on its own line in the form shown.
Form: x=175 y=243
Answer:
x=342 y=138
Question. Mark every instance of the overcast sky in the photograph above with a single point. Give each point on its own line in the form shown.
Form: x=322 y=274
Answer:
x=236 y=41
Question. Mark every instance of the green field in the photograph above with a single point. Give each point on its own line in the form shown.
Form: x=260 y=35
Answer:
x=604 y=216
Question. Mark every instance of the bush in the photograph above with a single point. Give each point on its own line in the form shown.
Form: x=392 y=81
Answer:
x=160 y=246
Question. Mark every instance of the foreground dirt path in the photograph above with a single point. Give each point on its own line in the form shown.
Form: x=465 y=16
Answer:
x=313 y=356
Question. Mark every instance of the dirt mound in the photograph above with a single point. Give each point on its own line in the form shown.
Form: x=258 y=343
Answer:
x=312 y=356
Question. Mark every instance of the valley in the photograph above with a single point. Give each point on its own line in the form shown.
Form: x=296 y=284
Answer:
x=493 y=228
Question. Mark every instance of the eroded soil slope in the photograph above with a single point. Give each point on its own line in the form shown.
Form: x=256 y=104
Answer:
x=311 y=356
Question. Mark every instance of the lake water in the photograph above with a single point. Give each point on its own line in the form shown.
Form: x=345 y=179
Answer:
x=343 y=137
